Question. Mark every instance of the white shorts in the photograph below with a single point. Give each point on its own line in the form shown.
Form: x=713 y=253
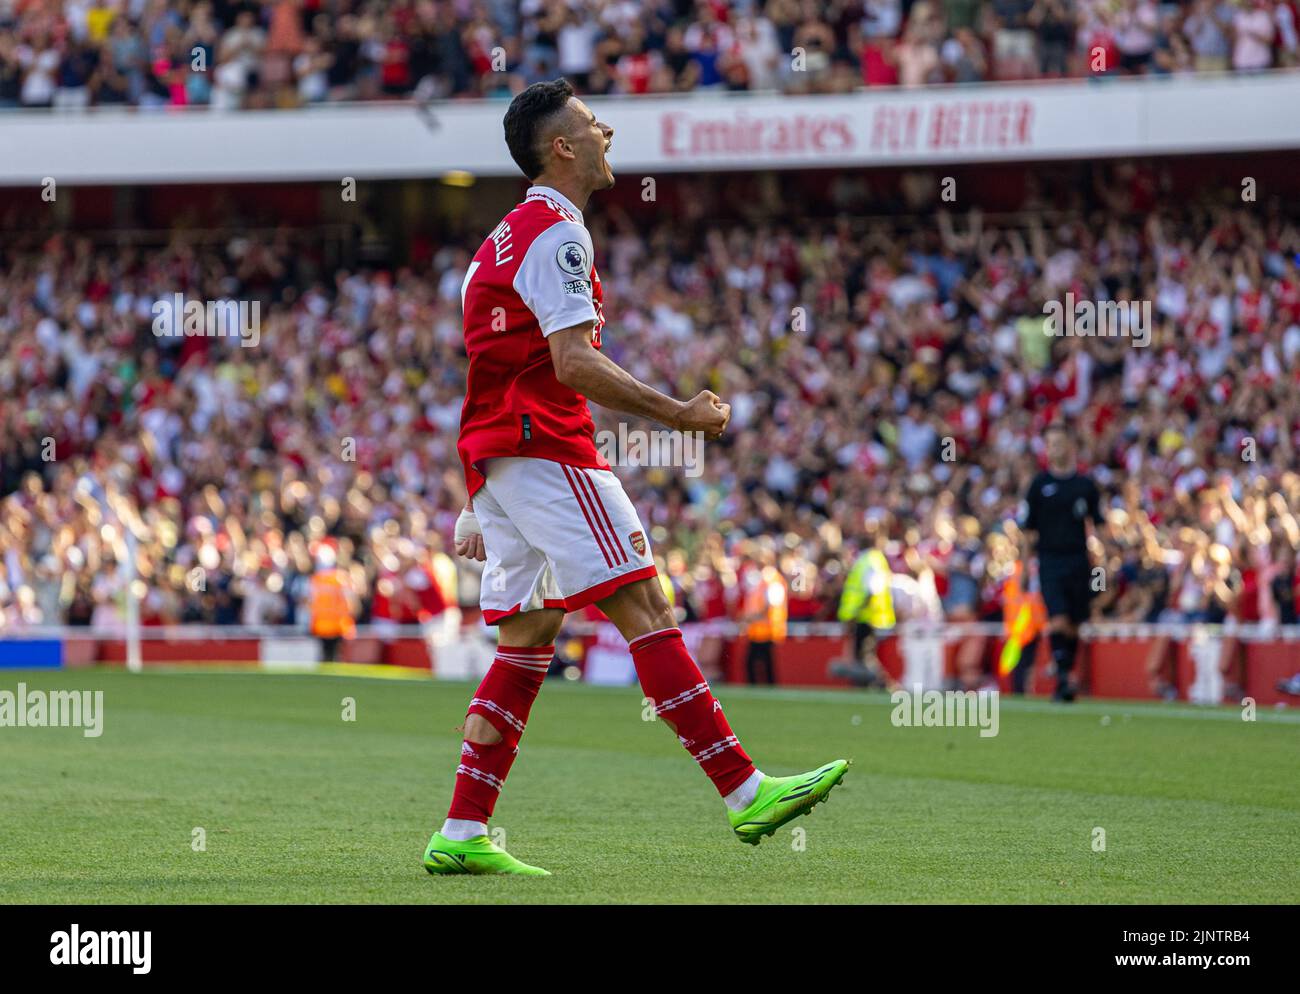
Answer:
x=556 y=536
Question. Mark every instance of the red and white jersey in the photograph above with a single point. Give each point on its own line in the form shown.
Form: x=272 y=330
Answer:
x=534 y=275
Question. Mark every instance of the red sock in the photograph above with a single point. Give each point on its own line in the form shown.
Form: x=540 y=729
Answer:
x=504 y=698
x=670 y=678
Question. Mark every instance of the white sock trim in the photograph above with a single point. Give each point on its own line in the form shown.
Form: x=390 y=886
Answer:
x=461 y=829
x=743 y=796
x=642 y=638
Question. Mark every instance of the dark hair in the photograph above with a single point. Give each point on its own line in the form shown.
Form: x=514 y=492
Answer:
x=529 y=113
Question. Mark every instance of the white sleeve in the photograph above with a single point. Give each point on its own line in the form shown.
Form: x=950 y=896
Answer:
x=554 y=278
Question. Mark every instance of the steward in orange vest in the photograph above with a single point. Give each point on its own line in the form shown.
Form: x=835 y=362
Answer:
x=330 y=604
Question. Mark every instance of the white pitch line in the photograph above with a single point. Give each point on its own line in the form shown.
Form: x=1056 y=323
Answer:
x=1116 y=708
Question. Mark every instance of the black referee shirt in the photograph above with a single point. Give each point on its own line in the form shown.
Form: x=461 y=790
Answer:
x=1057 y=507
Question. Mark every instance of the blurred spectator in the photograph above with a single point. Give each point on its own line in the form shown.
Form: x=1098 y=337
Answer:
x=903 y=417
x=1208 y=26
x=1253 y=31
x=1054 y=26
x=289 y=52
x=916 y=52
x=1135 y=35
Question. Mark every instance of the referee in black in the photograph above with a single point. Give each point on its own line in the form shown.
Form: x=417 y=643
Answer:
x=1060 y=504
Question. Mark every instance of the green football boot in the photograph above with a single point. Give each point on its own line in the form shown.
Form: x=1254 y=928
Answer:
x=782 y=799
x=477 y=855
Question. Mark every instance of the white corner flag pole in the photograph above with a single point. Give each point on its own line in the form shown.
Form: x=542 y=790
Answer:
x=134 y=661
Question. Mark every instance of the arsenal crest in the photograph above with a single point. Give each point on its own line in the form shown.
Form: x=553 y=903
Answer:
x=638 y=542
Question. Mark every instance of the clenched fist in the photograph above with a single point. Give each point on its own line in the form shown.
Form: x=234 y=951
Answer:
x=704 y=412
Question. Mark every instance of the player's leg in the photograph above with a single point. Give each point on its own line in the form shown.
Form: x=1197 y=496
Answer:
x=670 y=678
x=598 y=552
x=497 y=716
x=757 y=805
x=494 y=725
x=1063 y=639
x=1055 y=581
x=1079 y=607
x=516 y=580
x=524 y=640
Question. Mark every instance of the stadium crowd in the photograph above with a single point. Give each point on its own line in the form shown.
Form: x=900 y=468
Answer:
x=890 y=381
x=276 y=53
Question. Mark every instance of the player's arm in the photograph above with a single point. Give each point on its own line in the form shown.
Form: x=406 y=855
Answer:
x=554 y=283
x=598 y=378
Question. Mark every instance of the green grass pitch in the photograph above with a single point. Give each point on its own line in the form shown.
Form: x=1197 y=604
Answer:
x=298 y=805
